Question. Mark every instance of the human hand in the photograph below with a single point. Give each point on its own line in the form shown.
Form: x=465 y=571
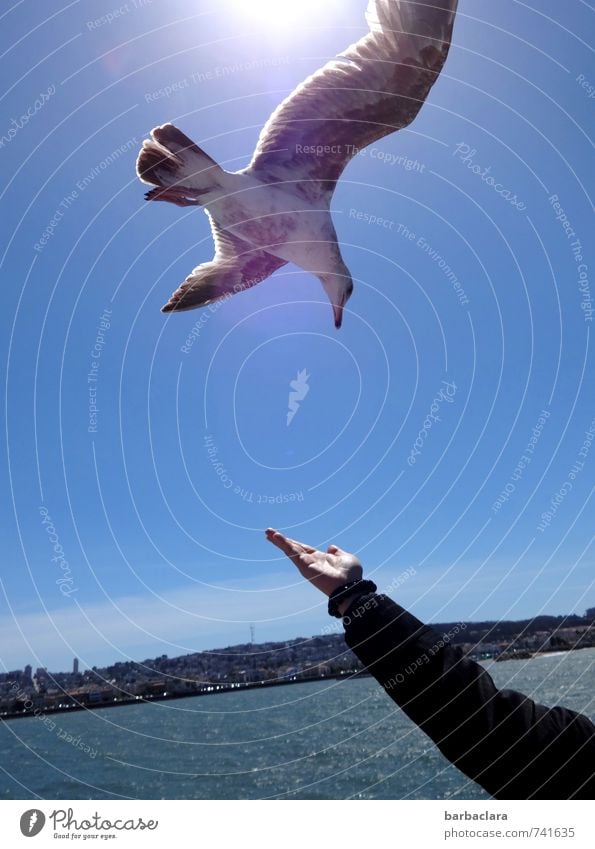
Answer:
x=326 y=570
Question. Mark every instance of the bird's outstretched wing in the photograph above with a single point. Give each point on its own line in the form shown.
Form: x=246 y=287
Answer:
x=373 y=88
x=235 y=267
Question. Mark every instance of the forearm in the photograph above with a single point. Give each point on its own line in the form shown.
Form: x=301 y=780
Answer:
x=498 y=738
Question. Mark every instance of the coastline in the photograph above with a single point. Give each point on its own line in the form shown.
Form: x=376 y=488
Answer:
x=210 y=690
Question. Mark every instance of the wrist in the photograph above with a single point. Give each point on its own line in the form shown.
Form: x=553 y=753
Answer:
x=342 y=597
x=345 y=604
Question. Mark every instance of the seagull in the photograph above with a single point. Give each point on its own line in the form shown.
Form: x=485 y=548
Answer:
x=277 y=209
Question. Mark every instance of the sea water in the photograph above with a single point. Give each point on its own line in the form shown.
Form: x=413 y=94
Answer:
x=324 y=740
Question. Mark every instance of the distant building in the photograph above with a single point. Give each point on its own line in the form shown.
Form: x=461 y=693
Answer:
x=75 y=666
x=28 y=670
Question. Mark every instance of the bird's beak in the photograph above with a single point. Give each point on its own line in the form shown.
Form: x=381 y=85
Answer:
x=338 y=314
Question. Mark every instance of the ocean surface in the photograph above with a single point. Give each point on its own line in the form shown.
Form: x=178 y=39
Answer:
x=323 y=740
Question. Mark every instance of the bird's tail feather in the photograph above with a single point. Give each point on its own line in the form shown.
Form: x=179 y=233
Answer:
x=171 y=161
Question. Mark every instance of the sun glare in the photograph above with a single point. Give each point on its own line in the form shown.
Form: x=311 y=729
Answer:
x=283 y=13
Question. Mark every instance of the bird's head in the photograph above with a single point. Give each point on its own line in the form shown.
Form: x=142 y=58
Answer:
x=338 y=288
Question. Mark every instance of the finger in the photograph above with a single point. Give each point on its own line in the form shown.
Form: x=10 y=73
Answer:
x=297 y=545
x=334 y=549
x=286 y=545
x=301 y=559
x=302 y=546
x=277 y=538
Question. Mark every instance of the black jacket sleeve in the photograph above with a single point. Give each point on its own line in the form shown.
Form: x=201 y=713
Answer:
x=512 y=747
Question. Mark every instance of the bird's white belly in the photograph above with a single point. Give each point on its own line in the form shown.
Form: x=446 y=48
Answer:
x=279 y=222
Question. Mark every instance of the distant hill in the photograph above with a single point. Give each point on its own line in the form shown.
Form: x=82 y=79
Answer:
x=271 y=663
x=328 y=653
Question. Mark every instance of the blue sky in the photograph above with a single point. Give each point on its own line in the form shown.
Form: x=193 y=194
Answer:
x=470 y=303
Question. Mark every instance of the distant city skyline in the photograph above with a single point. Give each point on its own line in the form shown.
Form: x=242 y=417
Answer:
x=589 y=613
